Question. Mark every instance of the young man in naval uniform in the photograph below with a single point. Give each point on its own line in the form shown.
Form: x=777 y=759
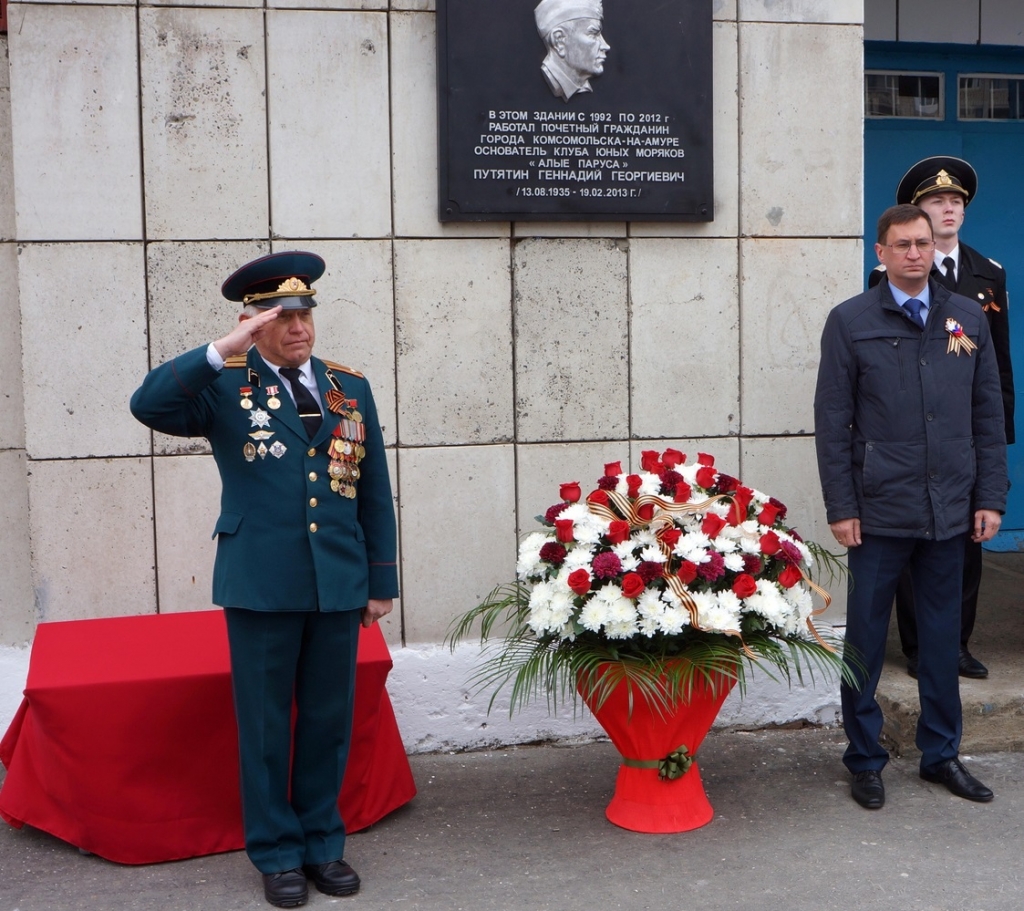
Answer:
x=306 y=546
x=944 y=186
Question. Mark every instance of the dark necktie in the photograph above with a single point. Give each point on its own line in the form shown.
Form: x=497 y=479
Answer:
x=949 y=279
x=913 y=307
x=309 y=410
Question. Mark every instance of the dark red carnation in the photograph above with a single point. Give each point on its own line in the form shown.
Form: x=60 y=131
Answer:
x=790 y=576
x=632 y=585
x=791 y=553
x=727 y=483
x=608 y=482
x=744 y=586
x=648 y=570
x=752 y=564
x=712 y=570
x=553 y=552
x=607 y=565
x=669 y=479
x=554 y=512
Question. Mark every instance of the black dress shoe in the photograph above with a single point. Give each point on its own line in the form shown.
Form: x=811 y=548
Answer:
x=971 y=666
x=287 y=889
x=333 y=878
x=912 y=666
x=868 y=789
x=960 y=782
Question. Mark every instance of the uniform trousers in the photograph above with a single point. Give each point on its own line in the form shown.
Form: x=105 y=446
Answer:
x=290 y=782
x=936 y=570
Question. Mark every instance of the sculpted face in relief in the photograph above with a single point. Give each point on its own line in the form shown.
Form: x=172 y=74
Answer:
x=576 y=49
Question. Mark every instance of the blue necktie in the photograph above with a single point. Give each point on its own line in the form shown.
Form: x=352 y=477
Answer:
x=913 y=307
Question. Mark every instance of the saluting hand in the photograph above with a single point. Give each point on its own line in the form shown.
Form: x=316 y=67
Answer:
x=245 y=334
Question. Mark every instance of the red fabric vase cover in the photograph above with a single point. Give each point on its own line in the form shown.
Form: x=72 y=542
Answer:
x=644 y=801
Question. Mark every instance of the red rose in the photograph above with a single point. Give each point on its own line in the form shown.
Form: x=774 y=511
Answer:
x=650 y=461
x=672 y=457
x=598 y=496
x=671 y=536
x=790 y=576
x=611 y=469
x=712 y=525
x=705 y=459
x=706 y=477
x=634 y=481
x=570 y=492
x=579 y=581
x=687 y=572
x=646 y=512
x=618 y=531
x=770 y=543
x=740 y=504
x=768 y=514
x=683 y=492
x=632 y=585
x=563 y=530
x=744 y=586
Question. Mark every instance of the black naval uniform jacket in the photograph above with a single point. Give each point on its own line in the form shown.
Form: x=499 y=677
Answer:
x=984 y=282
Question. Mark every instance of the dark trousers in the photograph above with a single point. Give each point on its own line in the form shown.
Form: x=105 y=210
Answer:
x=936 y=570
x=290 y=783
x=906 y=620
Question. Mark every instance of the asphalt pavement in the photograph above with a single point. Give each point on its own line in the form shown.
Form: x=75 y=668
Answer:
x=524 y=828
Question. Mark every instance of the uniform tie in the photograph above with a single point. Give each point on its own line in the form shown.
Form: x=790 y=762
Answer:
x=309 y=410
x=912 y=306
x=949 y=279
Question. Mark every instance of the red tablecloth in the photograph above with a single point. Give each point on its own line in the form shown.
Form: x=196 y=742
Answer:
x=125 y=744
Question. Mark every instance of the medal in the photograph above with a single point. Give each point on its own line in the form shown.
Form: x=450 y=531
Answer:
x=273 y=402
x=261 y=450
x=245 y=392
x=259 y=418
x=262 y=434
x=278 y=449
x=249 y=451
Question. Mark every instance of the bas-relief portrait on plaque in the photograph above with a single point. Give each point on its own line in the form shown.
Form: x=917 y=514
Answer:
x=575 y=110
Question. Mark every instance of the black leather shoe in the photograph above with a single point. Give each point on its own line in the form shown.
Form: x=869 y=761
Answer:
x=287 y=889
x=333 y=878
x=960 y=782
x=912 y=666
x=868 y=789
x=971 y=666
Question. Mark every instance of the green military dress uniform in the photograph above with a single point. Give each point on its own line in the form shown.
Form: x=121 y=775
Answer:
x=296 y=561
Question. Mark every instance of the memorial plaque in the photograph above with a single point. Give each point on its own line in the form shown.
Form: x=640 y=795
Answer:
x=574 y=110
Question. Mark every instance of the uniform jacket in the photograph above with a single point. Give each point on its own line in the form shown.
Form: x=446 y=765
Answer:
x=909 y=436
x=984 y=282
x=285 y=540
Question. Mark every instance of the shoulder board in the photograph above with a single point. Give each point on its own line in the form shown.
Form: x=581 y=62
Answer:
x=334 y=365
x=236 y=360
x=994 y=263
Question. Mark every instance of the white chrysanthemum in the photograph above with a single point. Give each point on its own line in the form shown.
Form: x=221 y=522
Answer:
x=529 y=562
x=644 y=537
x=652 y=554
x=693 y=547
x=674 y=619
x=650 y=484
x=578 y=557
x=689 y=472
x=724 y=545
x=624 y=552
x=734 y=562
x=767 y=602
x=540 y=607
x=717 y=612
x=651 y=609
x=720 y=508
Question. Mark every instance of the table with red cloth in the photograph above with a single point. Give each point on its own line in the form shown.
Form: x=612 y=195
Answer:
x=125 y=744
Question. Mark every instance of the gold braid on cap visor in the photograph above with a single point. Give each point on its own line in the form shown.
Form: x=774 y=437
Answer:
x=941 y=182
x=290 y=287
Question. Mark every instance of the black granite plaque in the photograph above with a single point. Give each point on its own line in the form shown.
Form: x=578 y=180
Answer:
x=608 y=117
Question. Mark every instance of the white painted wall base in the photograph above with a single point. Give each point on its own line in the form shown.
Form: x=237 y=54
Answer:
x=437 y=710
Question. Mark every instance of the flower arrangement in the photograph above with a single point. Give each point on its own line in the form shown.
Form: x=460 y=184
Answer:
x=661 y=577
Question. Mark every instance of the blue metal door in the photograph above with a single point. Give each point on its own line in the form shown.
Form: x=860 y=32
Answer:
x=994 y=219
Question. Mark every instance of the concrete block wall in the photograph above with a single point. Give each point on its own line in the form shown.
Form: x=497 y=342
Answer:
x=155 y=147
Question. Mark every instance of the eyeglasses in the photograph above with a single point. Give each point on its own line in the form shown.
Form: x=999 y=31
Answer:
x=902 y=247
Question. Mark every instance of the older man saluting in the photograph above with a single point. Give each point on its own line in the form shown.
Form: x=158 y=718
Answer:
x=908 y=421
x=306 y=546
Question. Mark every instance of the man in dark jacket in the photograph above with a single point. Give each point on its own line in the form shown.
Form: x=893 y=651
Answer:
x=943 y=187
x=912 y=459
x=306 y=547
